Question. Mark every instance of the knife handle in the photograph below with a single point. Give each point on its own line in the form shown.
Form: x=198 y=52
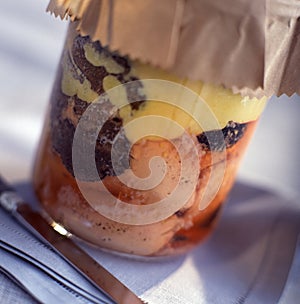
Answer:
x=9 y=199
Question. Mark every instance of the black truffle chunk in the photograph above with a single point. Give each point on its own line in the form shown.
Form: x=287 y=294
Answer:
x=218 y=140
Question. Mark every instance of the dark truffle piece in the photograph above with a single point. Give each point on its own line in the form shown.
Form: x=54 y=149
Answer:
x=104 y=144
x=135 y=98
x=218 y=140
x=179 y=238
x=79 y=106
x=63 y=127
x=180 y=212
x=62 y=134
x=96 y=74
x=62 y=139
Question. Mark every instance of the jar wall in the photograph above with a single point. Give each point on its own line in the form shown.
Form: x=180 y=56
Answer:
x=86 y=71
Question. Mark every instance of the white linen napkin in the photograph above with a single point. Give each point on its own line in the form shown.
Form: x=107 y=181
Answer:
x=39 y=270
x=247 y=259
x=252 y=257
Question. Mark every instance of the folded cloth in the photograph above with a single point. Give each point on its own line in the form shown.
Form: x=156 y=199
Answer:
x=40 y=270
x=250 y=258
x=246 y=260
x=44 y=288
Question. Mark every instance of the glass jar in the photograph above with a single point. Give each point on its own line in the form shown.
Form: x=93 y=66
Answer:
x=201 y=154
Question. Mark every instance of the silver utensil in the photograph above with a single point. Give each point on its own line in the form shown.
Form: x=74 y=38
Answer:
x=34 y=222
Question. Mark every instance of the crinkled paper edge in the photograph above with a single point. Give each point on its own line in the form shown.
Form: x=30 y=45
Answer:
x=263 y=59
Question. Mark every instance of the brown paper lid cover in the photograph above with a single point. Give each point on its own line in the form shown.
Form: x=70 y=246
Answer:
x=250 y=46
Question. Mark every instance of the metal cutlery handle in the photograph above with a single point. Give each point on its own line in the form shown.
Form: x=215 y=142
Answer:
x=65 y=247
x=10 y=201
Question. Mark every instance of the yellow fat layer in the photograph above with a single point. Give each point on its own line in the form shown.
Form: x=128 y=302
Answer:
x=102 y=59
x=71 y=86
x=225 y=105
x=223 y=102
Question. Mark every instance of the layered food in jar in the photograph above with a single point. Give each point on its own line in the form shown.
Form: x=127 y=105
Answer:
x=86 y=71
